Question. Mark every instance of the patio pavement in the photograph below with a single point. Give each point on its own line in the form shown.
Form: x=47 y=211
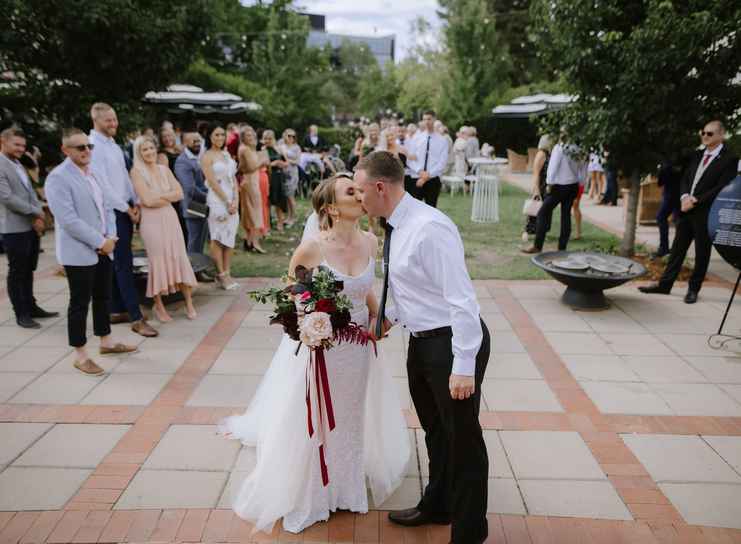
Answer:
x=615 y=426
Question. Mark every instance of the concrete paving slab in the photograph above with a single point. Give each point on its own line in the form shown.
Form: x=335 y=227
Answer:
x=173 y=489
x=625 y=398
x=32 y=359
x=13 y=382
x=671 y=369
x=15 y=438
x=609 y=368
x=728 y=447
x=505 y=497
x=243 y=361
x=716 y=505
x=73 y=446
x=573 y=498
x=224 y=390
x=550 y=455
x=519 y=396
x=675 y=458
x=577 y=343
x=635 y=344
x=193 y=447
x=127 y=389
x=152 y=360
x=512 y=366
x=687 y=399
x=717 y=369
x=39 y=488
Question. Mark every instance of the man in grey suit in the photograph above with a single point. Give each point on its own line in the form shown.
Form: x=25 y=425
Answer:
x=85 y=225
x=190 y=175
x=21 y=224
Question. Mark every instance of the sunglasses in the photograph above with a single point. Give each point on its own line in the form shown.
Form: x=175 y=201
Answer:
x=83 y=147
x=706 y=133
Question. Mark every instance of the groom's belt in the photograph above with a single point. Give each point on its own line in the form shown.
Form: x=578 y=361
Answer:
x=441 y=331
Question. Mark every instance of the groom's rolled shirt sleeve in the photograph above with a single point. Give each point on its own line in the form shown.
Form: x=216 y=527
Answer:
x=444 y=262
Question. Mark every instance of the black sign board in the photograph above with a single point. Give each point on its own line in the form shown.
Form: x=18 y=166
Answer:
x=724 y=223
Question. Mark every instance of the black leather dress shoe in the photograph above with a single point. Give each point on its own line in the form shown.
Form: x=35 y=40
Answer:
x=28 y=323
x=414 y=518
x=690 y=297
x=655 y=288
x=40 y=313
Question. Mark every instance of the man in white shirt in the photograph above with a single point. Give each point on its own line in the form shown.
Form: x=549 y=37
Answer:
x=565 y=171
x=426 y=274
x=427 y=161
x=709 y=171
x=109 y=167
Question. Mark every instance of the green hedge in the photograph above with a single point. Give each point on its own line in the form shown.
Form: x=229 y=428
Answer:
x=343 y=136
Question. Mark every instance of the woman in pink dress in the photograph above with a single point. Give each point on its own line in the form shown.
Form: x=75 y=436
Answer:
x=169 y=267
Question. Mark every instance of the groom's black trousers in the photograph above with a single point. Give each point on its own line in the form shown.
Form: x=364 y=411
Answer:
x=459 y=465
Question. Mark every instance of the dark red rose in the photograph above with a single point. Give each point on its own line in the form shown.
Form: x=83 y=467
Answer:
x=325 y=305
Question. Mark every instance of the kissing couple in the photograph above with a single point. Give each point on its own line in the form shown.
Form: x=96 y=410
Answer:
x=448 y=349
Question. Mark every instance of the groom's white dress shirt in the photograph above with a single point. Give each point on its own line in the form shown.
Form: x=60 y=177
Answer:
x=429 y=282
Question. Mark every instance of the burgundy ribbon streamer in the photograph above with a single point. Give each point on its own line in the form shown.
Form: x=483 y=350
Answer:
x=321 y=381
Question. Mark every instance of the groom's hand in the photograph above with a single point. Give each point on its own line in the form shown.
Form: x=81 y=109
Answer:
x=461 y=387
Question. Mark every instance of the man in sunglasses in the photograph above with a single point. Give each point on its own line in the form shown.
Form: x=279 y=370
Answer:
x=711 y=169
x=85 y=240
x=21 y=224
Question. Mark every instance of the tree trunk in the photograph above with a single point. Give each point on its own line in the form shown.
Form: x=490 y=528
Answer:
x=627 y=246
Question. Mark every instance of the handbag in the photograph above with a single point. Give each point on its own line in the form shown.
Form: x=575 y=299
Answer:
x=532 y=206
x=198 y=209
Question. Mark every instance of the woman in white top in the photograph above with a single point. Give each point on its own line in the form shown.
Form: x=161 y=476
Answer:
x=223 y=202
x=596 y=173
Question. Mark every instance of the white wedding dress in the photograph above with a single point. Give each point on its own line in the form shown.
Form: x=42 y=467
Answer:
x=370 y=443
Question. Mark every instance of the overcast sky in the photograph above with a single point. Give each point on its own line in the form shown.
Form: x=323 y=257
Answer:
x=373 y=17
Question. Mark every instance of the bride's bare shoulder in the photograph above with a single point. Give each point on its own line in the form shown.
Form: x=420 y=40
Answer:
x=308 y=253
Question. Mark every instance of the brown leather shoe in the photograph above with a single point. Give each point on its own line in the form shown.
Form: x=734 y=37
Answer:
x=117 y=348
x=89 y=367
x=530 y=250
x=143 y=328
x=120 y=318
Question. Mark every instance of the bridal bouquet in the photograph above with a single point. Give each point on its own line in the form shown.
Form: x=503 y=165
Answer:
x=314 y=312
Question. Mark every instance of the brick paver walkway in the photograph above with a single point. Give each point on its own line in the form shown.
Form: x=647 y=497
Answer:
x=617 y=426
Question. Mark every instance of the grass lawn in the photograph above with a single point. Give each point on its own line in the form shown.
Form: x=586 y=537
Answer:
x=492 y=249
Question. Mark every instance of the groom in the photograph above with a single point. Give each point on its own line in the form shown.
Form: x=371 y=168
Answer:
x=448 y=347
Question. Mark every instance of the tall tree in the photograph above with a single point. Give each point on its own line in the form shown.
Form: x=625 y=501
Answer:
x=59 y=56
x=512 y=20
x=647 y=74
x=477 y=59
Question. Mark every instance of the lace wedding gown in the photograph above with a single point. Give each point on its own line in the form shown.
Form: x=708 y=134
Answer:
x=370 y=441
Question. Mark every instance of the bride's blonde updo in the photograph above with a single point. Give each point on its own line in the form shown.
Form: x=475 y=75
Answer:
x=324 y=196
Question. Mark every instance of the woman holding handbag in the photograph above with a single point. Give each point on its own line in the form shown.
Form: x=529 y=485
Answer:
x=540 y=168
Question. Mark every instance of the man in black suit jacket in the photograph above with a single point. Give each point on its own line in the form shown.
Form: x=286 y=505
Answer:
x=312 y=141
x=708 y=172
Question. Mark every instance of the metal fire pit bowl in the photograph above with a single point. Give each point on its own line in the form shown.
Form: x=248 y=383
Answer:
x=584 y=288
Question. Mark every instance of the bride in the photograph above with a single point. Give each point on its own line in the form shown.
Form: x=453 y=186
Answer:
x=370 y=443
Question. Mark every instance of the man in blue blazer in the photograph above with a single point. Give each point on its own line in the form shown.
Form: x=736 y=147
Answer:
x=190 y=175
x=85 y=238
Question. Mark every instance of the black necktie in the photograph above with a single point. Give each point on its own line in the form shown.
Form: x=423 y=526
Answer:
x=386 y=252
x=427 y=152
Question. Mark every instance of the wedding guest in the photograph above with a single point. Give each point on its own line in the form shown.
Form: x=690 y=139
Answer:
x=539 y=186
x=276 y=173
x=410 y=133
x=565 y=173
x=709 y=171
x=596 y=173
x=473 y=148
x=190 y=175
x=372 y=139
x=391 y=144
x=85 y=231
x=429 y=156
x=292 y=153
x=223 y=202
x=109 y=168
x=169 y=268
x=167 y=155
x=22 y=223
x=669 y=176
x=313 y=141
x=250 y=198
x=232 y=139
